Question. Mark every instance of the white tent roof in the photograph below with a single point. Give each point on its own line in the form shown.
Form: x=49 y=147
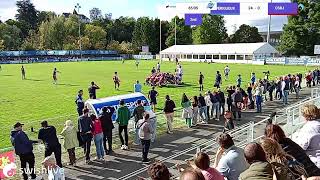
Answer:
x=238 y=48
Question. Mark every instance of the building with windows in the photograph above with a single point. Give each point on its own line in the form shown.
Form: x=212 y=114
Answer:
x=224 y=53
x=274 y=37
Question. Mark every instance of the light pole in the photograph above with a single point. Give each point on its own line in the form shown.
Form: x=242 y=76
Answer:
x=269 y=27
x=175 y=25
x=80 y=43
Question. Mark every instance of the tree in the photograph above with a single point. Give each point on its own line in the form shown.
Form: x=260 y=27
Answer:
x=45 y=16
x=97 y=36
x=212 y=30
x=184 y=33
x=10 y=36
x=2 y=47
x=143 y=34
x=27 y=16
x=95 y=14
x=302 y=31
x=31 y=42
x=246 y=34
x=122 y=29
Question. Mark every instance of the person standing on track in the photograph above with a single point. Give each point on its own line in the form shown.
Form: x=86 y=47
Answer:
x=152 y=95
x=92 y=90
x=107 y=126
x=123 y=116
x=54 y=75
x=23 y=73
x=116 y=81
x=226 y=72
x=168 y=110
x=201 y=78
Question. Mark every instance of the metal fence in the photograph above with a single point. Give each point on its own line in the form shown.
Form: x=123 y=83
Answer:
x=242 y=135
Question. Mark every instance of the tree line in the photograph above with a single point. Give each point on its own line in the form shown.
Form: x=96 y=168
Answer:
x=44 y=30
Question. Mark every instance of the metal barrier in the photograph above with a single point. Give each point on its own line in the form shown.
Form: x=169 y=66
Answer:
x=249 y=132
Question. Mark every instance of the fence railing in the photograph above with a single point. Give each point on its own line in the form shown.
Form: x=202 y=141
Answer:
x=242 y=135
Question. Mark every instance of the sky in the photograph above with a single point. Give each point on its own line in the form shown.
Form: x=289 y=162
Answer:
x=138 y=8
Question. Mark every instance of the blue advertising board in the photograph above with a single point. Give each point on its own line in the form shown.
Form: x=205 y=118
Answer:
x=227 y=9
x=193 y=19
x=96 y=105
x=282 y=8
x=55 y=53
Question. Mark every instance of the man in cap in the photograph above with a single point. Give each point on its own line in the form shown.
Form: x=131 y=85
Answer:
x=23 y=148
x=48 y=135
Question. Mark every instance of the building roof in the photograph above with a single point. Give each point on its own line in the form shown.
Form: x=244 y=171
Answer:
x=238 y=48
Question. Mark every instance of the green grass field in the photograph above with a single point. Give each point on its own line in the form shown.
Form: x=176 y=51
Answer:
x=32 y=100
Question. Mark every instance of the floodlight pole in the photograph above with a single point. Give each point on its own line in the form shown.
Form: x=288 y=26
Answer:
x=80 y=43
x=175 y=30
x=269 y=27
x=160 y=41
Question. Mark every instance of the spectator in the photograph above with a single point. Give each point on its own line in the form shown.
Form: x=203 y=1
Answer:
x=145 y=135
x=191 y=174
x=237 y=100
x=222 y=101
x=153 y=120
x=308 y=137
x=158 y=171
x=107 y=126
x=259 y=166
x=70 y=143
x=79 y=102
x=285 y=89
x=230 y=91
x=54 y=171
x=48 y=135
x=169 y=113
x=137 y=87
x=253 y=79
x=208 y=104
x=152 y=95
x=137 y=114
x=278 y=88
x=275 y=132
x=250 y=96
x=203 y=109
x=215 y=105
x=270 y=88
x=195 y=110
x=97 y=136
x=85 y=129
x=228 y=124
x=229 y=161
x=123 y=115
x=296 y=87
x=285 y=165
x=24 y=149
x=92 y=90
x=258 y=96
x=202 y=161
x=187 y=110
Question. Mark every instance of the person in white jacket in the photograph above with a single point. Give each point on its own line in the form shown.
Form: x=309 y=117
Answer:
x=308 y=137
x=208 y=103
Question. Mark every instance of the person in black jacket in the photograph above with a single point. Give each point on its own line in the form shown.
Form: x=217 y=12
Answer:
x=275 y=132
x=203 y=109
x=48 y=135
x=79 y=102
x=169 y=113
x=85 y=128
x=222 y=101
x=107 y=126
x=23 y=148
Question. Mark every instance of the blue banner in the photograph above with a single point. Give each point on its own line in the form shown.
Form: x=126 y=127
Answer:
x=282 y=8
x=193 y=19
x=56 y=53
x=227 y=9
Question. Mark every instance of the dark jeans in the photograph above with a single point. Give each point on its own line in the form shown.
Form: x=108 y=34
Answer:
x=145 y=148
x=72 y=155
x=107 y=136
x=27 y=158
x=125 y=129
x=57 y=153
x=92 y=96
x=79 y=110
x=86 y=138
x=270 y=95
x=235 y=114
x=222 y=109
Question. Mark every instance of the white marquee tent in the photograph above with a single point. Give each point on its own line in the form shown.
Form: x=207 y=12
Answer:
x=225 y=53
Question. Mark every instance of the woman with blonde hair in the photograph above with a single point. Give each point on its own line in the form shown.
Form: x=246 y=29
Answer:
x=308 y=137
x=69 y=133
x=285 y=166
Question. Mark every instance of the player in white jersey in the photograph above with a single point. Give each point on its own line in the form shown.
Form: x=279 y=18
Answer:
x=226 y=72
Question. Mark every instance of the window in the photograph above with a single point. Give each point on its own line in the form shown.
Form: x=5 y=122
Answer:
x=239 y=57
x=189 y=56
x=195 y=56
x=215 y=56
x=223 y=56
x=248 y=57
x=232 y=57
x=208 y=56
x=202 y=56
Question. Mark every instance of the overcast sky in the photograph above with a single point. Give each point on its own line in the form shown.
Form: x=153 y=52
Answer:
x=138 y=8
